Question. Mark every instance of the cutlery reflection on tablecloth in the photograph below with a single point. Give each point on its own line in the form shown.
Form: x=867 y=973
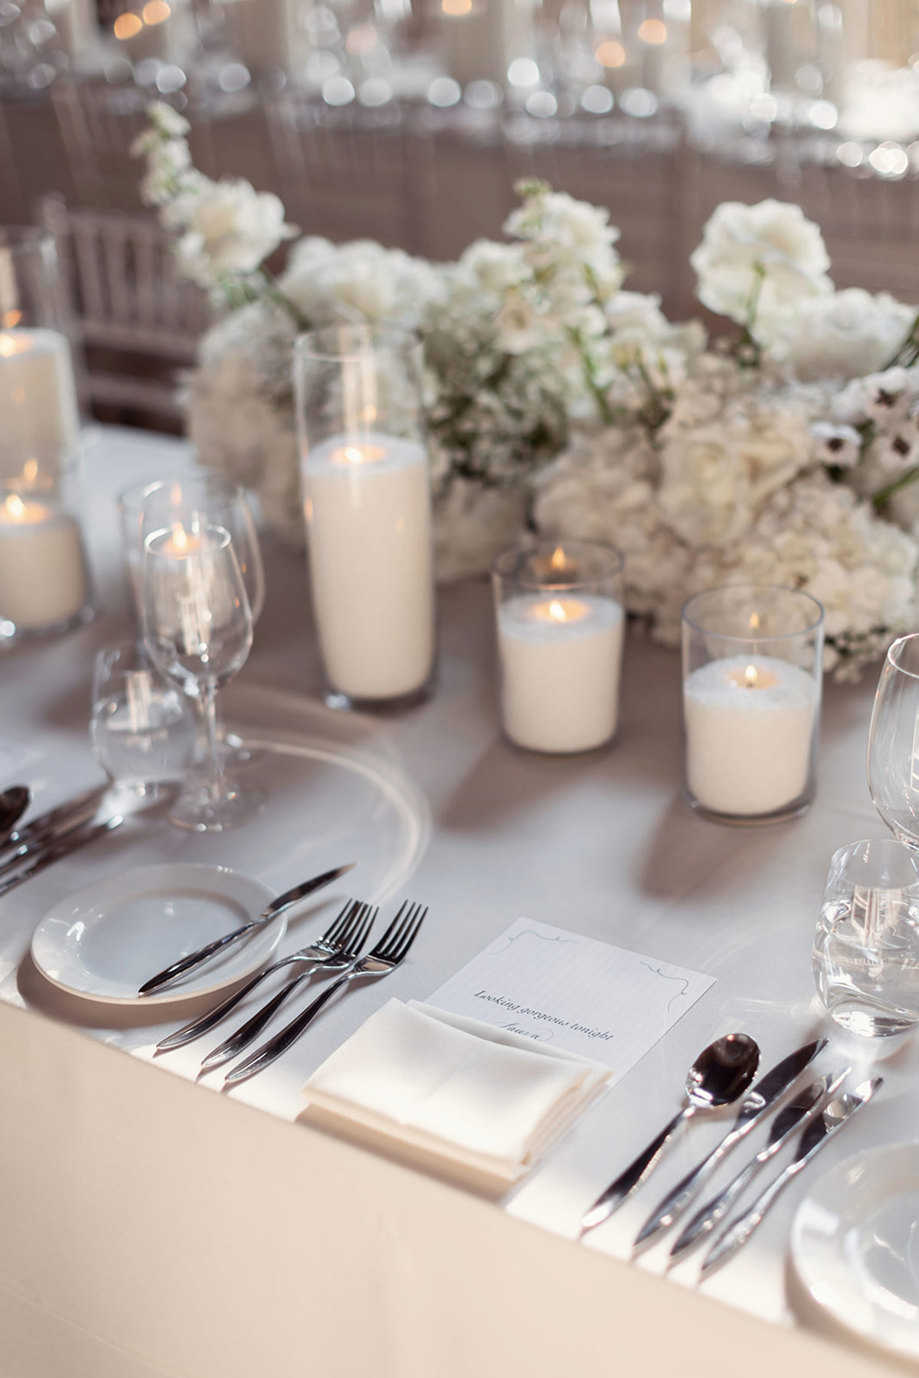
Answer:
x=461 y=1097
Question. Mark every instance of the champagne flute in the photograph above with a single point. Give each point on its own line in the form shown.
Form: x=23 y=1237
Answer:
x=893 y=741
x=198 y=632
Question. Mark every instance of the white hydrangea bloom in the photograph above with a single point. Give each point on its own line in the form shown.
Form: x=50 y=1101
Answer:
x=760 y=262
x=472 y=525
x=224 y=228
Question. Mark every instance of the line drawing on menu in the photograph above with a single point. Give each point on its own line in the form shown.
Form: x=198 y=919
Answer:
x=680 y=994
x=531 y=933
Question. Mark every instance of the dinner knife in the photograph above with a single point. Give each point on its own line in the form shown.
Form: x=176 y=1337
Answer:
x=73 y=811
x=799 y=1112
x=271 y=911
x=818 y=1132
x=68 y=842
x=761 y=1096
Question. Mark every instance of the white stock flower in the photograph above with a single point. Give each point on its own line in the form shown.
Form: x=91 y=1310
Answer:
x=846 y=334
x=885 y=398
x=575 y=231
x=495 y=267
x=167 y=122
x=768 y=255
x=838 y=447
x=226 y=227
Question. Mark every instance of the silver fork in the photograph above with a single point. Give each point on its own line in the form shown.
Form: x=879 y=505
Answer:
x=391 y=949
x=332 y=942
x=347 y=953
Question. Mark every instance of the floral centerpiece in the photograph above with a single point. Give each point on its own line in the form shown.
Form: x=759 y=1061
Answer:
x=783 y=451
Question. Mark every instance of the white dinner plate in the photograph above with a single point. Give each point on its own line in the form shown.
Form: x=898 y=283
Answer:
x=106 y=940
x=855 y=1243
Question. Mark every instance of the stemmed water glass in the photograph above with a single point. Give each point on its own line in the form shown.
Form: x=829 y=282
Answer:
x=198 y=631
x=893 y=741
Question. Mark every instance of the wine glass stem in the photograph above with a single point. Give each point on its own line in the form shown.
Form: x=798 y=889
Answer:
x=209 y=713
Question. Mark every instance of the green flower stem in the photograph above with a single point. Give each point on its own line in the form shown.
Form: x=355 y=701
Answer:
x=908 y=352
x=887 y=493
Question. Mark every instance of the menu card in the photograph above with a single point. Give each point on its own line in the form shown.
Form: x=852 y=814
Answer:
x=587 y=997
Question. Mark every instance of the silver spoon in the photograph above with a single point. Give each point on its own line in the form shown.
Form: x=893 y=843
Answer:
x=13 y=804
x=720 y=1074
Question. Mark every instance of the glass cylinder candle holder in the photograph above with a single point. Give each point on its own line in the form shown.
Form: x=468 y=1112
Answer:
x=367 y=502
x=560 y=623
x=752 y=676
x=44 y=581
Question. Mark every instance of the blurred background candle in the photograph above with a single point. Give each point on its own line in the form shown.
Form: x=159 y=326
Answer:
x=752 y=661
x=38 y=401
x=367 y=498
x=42 y=573
x=560 y=627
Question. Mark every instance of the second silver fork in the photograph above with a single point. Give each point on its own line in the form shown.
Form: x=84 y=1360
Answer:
x=324 y=950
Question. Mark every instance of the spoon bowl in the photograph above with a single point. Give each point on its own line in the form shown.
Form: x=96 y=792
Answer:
x=720 y=1074
x=13 y=804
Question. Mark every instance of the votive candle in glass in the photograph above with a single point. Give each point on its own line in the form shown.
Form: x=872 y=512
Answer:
x=367 y=502
x=560 y=624
x=752 y=674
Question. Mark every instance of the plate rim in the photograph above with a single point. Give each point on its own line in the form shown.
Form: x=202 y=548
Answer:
x=902 y=1337
x=170 y=995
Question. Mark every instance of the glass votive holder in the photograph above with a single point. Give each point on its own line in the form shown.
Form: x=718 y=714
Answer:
x=141 y=727
x=367 y=502
x=752 y=678
x=560 y=620
x=866 y=947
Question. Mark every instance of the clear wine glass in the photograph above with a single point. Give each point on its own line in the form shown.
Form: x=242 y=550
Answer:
x=194 y=500
x=198 y=632
x=893 y=741
x=141 y=728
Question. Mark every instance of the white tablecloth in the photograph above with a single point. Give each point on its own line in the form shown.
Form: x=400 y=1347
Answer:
x=150 y=1226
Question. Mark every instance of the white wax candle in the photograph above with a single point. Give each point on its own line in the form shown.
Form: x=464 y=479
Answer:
x=38 y=400
x=160 y=32
x=368 y=512
x=75 y=24
x=560 y=655
x=749 y=728
x=265 y=33
x=782 y=48
x=42 y=574
x=482 y=37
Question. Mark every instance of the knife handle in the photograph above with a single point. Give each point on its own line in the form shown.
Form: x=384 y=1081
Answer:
x=675 y=1203
x=71 y=841
x=194 y=959
x=612 y=1198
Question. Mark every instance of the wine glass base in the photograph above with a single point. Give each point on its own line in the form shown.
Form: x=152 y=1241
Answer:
x=201 y=809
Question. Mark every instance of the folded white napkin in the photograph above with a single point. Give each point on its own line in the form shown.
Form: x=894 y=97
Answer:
x=453 y=1090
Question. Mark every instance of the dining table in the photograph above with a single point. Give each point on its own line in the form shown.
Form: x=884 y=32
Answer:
x=155 y=1224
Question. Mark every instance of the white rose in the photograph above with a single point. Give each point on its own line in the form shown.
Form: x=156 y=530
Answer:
x=760 y=261
x=228 y=227
x=847 y=334
x=496 y=267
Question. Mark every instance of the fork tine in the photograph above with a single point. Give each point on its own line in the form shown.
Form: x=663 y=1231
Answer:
x=358 y=939
x=340 y=923
x=355 y=914
x=408 y=936
x=394 y=933
x=381 y=944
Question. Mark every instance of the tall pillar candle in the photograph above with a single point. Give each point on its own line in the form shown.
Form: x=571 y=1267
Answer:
x=38 y=401
x=368 y=511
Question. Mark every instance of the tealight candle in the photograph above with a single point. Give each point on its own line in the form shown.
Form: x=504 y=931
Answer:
x=367 y=502
x=560 y=630
x=43 y=580
x=751 y=714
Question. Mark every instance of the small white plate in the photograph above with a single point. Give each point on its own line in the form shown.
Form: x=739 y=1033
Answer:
x=106 y=940
x=855 y=1243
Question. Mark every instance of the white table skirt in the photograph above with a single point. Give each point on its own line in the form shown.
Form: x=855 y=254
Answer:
x=149 y=1227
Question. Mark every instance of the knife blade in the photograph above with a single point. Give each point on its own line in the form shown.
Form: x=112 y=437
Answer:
x=761 y=1096
x=68 y=842
x=815 y=1136
x=799 y=1112
x=271 y=911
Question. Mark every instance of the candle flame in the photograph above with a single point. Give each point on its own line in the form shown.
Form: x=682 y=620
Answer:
x=455 y=7
x=155 y=11
x=750 y=677
x=30 y=472
x=653 y=31
x=15 y=507
x=11 y=318
x=558 y=561
x=754 y=621
x=609 y=53
x=127 y=26
x=557 y=611
x=179 y=537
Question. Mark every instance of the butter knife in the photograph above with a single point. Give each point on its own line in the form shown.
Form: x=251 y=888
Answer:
x=68 y=842
x=760 y=1098
x=817 y=1133
x=799 y=1112
x=271 y=911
